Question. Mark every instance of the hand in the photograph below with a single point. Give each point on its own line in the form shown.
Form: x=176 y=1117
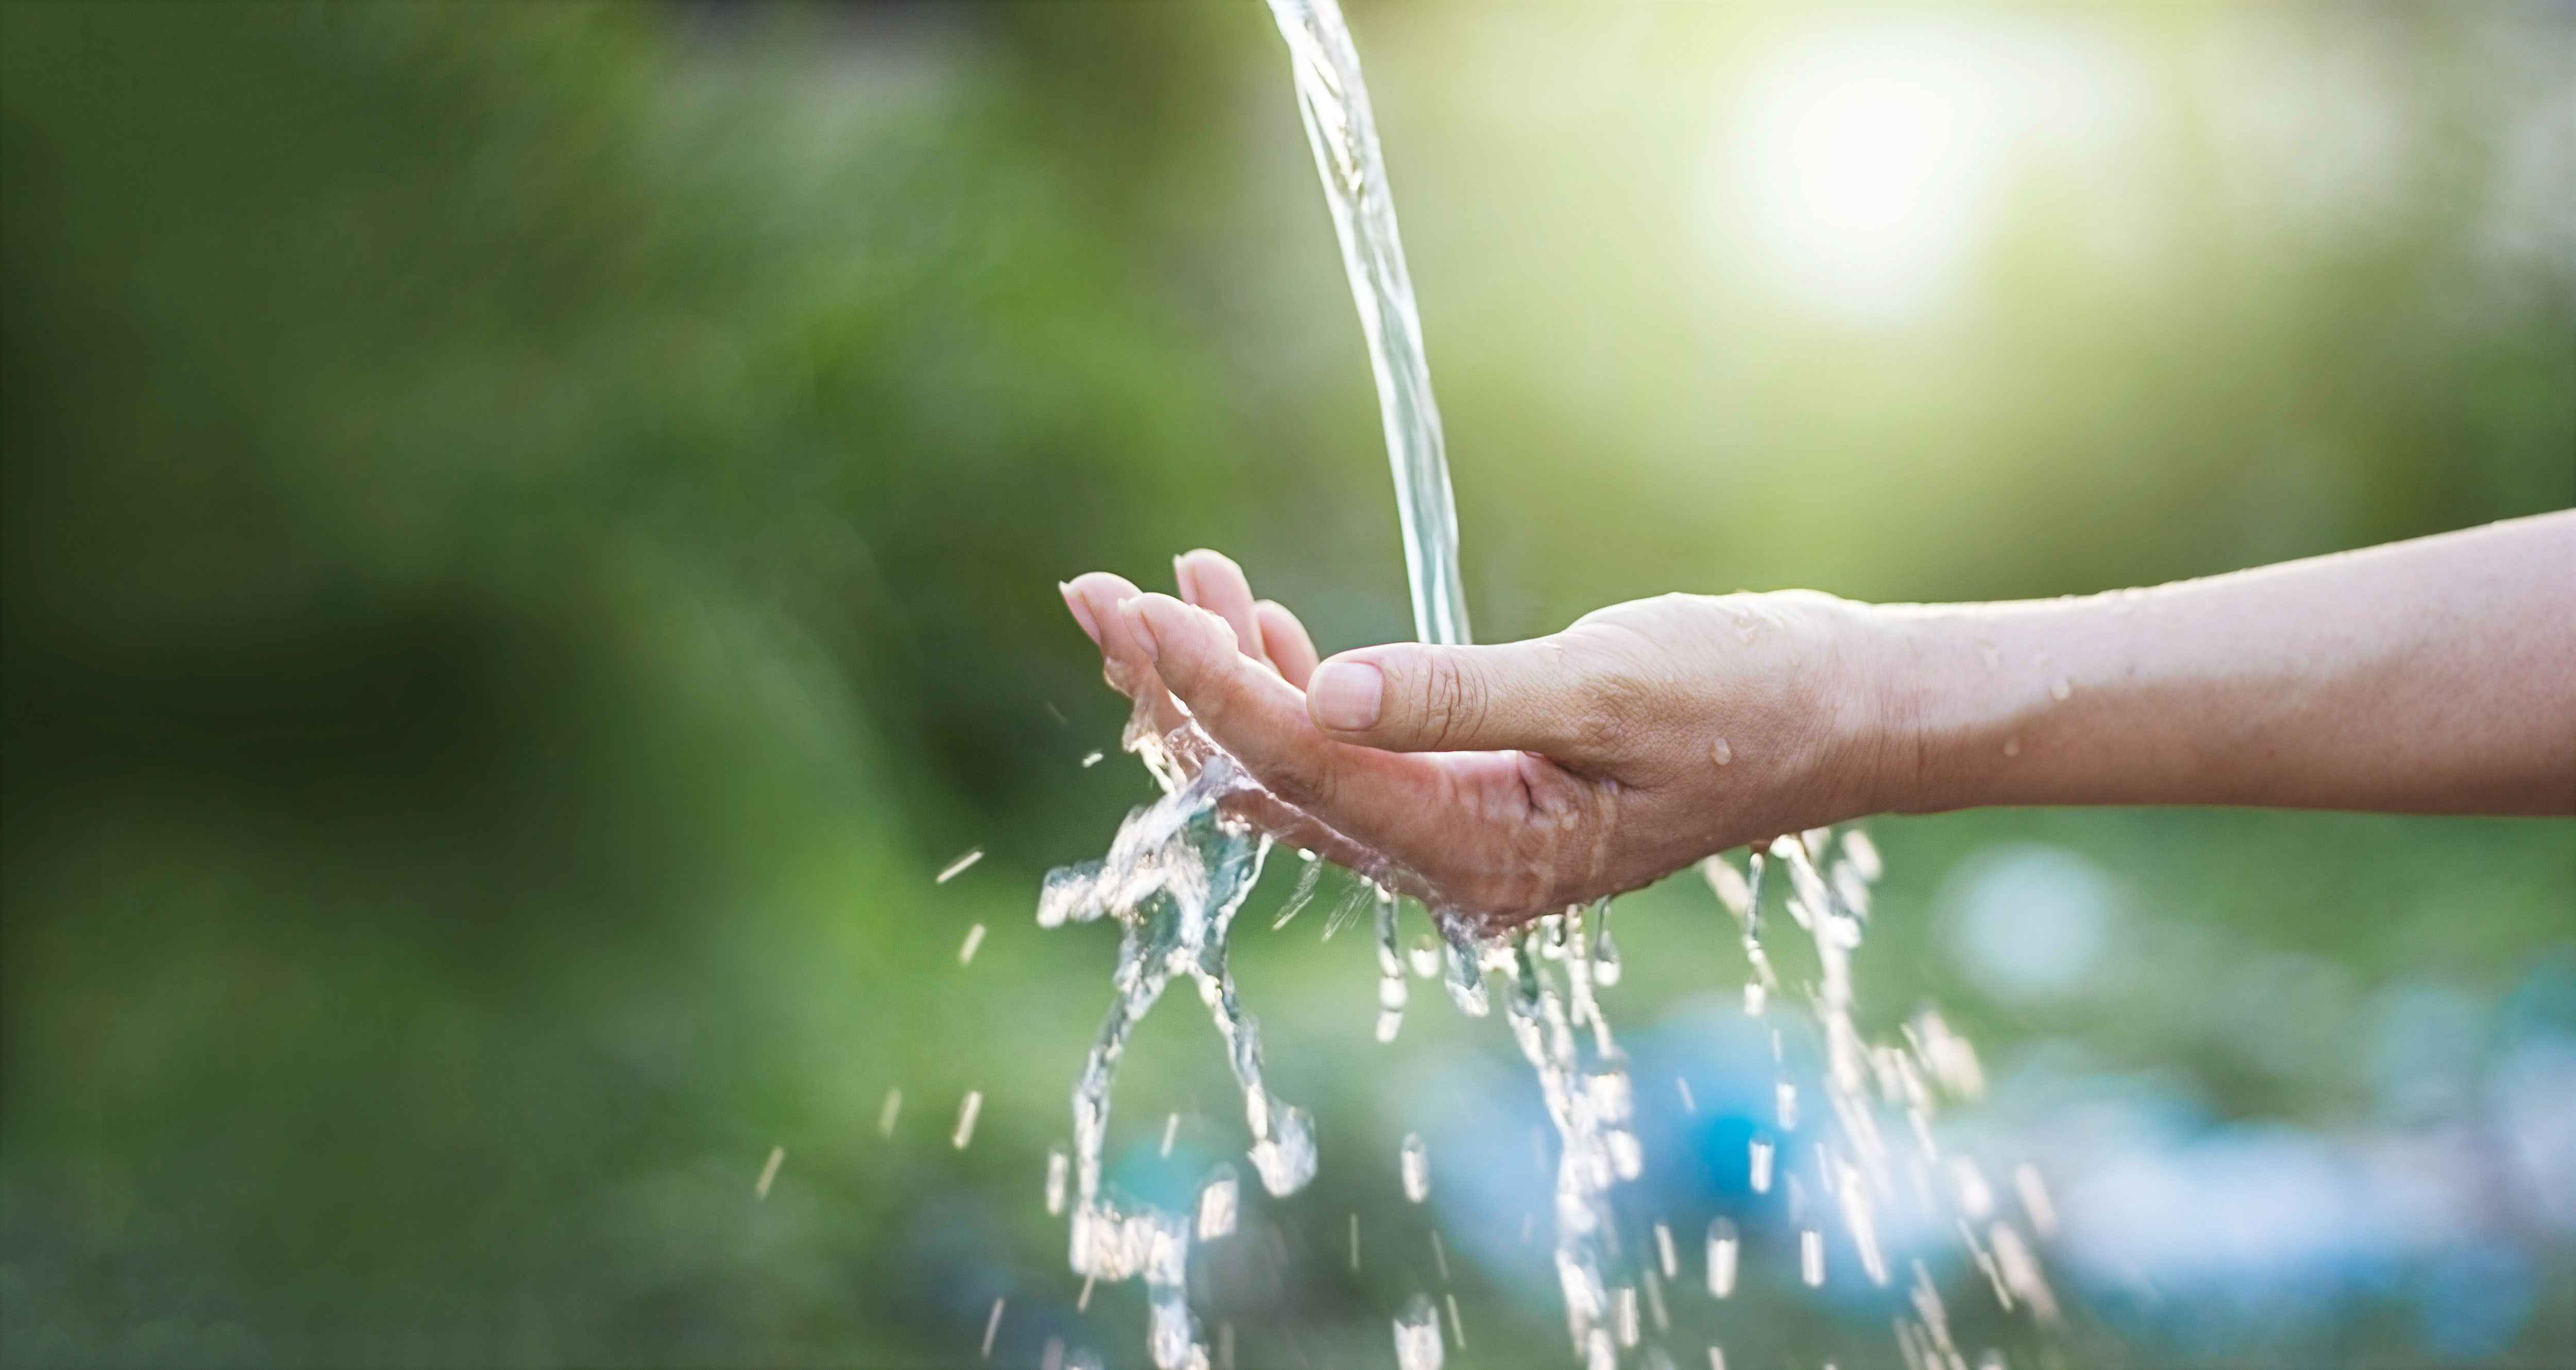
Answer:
x=1509 y=781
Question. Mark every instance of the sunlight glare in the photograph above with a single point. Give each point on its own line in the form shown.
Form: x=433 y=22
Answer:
x=1865 y=159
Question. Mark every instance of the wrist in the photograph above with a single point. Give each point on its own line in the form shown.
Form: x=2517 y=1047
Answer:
x=1900 y=680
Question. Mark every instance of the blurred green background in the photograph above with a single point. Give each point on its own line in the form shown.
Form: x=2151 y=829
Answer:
x=530 y=536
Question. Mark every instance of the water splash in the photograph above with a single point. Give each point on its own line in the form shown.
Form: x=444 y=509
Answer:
x=1217 y=1204
x=1417 y=1336
x=1879 y=1100
x=1174 y=878
x=1181 y=868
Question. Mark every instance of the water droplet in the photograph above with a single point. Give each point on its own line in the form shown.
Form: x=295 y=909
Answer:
x=1760 y=1160
x=2020 y=1271
x=887 y=1111
x=1059 y=1163
x=1724 y=754
x=1756 y=998
x=1217 y=1201
x=1466 y=979
x=1286 y=1158
x=1424 y=956
x=1788 y=1106
x=1860 y=1218
x=1727 y=883
x=769 y=1172
x=1171 y=1132
x=1625 y=1304
x=992 y=1325
x=1664 y=1250
x=974 y=939
x=1976 y=1197
x=1722 y=1251
x=966 y=1111
x=1457 y=1326
x=958 y=867
x=1627 y=1156
x=1297 y=898
x=2034 y=1199
x=2061 y=688
x=1415 y=1162
x=1863 y=854
x=1811 y=1256
x=1689 y=1104
x=1417 y=1336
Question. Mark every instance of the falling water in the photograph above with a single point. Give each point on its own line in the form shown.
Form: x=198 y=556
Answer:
x=1415 y=1164
x=1417 y=1336
x=1181 y=868
x=1342 y=131
x=1174 y=878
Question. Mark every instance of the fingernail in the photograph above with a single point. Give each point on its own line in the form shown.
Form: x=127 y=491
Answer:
x=1181 y=577
x=1081 y=610
x=1346 y=694
x=1133 y=610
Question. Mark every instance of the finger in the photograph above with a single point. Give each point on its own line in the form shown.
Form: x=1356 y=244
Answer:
x=1213 y=582
x=1411 y=697
x=1125 y=661
x=1378 y=799
x=1272 y=814
x=1080 y=608
x=1284 y=641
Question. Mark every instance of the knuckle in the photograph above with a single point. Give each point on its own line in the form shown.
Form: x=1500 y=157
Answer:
x=1304 y=783
x=1453 y=702
x=1617 y=704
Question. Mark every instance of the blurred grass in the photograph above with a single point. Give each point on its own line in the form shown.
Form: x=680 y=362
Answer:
x=528 y=537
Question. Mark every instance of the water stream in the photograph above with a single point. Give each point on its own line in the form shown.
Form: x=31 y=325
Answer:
x=1181 y=868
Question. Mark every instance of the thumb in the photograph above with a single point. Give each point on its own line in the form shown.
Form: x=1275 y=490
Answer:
x=1411 y=697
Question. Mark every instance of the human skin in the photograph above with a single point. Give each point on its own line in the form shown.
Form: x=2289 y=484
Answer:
x=2436 y=676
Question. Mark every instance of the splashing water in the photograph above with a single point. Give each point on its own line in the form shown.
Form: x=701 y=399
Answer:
x=1174 y=878
x=1180 y=869
x=1417 y=1336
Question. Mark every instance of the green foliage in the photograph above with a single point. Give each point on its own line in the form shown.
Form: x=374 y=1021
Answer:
x=528 y=538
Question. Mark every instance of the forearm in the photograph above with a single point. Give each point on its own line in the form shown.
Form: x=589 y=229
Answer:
x=2434 y=676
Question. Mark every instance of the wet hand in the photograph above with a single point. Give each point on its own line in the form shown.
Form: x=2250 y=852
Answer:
x=1509 y=781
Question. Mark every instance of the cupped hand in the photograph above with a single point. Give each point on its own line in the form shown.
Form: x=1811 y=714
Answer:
x=1509 y=781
